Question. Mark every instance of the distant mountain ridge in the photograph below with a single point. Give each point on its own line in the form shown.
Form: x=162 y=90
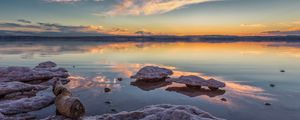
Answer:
x=204 y=38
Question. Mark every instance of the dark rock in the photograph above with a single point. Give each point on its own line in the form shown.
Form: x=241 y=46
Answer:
x=107 y=102
x=224 y=99
x=107 y=89
x=282 y=71
x=119 y=79
x=272 y=85
x=268 y=104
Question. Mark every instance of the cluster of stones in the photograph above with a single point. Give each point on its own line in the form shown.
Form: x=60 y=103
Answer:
x=154 y=74
x=153 y=112
x=23 y=89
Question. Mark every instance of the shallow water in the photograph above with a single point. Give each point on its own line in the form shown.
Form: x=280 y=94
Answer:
x=247 y=68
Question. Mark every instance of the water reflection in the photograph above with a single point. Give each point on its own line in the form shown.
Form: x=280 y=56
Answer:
x=147 y=86
x=191 y=92
x=247 y=68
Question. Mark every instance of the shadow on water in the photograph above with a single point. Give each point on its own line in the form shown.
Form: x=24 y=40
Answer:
x=148 y=86
x=194 y=92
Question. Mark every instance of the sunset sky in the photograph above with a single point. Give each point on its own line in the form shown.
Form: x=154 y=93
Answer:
x=149 y=17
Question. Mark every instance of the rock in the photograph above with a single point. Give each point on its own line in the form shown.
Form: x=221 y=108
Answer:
x=113 y=110
x=25 y=74
x=10 y=107
x=7 y=88
x=152 y=73
x=272 y=85
x=282 y=71
x=119 y=79
x=159 y=112
x=268 y=104
x=22 y=116
x=66 y=104
x=48 y=64
x=224 y=99
x=107 y=102
x=107 y=89
x=193 y=81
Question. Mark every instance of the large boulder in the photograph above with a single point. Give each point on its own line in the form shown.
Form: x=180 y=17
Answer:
x=197 y=82
x=152 y=73
x=153 y=112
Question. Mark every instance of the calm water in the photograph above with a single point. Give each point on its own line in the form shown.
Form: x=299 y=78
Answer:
x=247 y=69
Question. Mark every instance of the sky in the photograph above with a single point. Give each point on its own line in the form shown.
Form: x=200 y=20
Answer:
x=149 y=17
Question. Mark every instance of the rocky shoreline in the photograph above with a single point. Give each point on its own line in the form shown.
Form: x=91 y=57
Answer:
x=24 y=89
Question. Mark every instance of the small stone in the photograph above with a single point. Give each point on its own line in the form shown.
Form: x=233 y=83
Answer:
x=268 y=104
x=282 y=71
x=272 y=85
x=113 y=110
x=107 y=89
x=119 y=79
x=107 y=102
x=224 y=99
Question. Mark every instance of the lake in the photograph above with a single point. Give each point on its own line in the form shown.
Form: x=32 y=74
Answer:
x=247 y=68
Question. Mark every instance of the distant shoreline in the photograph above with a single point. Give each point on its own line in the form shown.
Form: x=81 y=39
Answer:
x=211 y=38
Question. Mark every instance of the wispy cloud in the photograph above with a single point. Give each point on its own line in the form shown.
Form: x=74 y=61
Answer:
x=148 y=7
x=253 y=25
x=70 y=1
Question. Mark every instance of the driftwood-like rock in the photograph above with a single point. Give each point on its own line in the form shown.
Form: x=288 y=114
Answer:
x=9 y=107
x=159 y=112
x=25 y=74
x=197 y=82
x=65 y=104
x=9 y=88
x=152 y=73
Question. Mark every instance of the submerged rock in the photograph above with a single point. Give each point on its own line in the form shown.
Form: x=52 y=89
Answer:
x=23 y=105
x=197 y=82
x=159 y=112
x=152 y=73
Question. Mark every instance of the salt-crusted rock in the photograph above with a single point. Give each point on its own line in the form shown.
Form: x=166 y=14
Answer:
x=196 y=82
x=25 y=74
x=159 y=112
x=153 y=112
x=48 y=64
x=152 y=73
x=9 y=107
x=8 y=88
x=22 y=116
